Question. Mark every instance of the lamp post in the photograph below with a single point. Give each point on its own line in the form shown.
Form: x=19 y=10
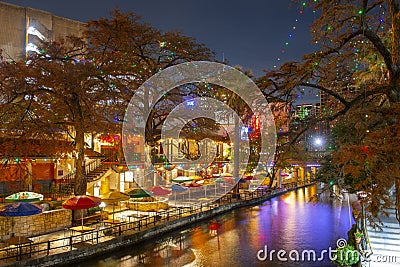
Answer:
x=102 y=206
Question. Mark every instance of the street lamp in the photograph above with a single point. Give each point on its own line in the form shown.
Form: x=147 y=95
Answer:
x=102 y=206
x=318 y=141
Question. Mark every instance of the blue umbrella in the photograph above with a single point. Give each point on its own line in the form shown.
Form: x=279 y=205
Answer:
x=20 y=209
x=176 y=188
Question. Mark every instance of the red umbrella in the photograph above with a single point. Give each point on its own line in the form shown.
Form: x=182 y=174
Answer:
x=193 y=185
x=81 y=202
x=159 y=191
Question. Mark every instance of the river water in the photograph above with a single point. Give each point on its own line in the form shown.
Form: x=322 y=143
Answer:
x=291 y=222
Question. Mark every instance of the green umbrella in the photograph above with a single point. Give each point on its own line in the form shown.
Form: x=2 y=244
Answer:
x=24 y=197
x=181 y=179
x=138 y=193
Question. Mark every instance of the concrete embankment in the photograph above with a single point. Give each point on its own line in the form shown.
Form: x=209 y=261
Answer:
x=69 y=257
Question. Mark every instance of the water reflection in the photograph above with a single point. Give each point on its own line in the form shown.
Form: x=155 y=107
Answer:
x=287 y=222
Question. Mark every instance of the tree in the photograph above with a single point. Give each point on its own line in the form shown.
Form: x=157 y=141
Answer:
x=84 y=84
x=128 y=52
x=357 y=66
x=57 y=92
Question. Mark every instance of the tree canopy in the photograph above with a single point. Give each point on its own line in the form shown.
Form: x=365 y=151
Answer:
x=357 y=69
x=82 y=85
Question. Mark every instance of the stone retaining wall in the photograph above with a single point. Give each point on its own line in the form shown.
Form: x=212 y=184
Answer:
x=46 y=222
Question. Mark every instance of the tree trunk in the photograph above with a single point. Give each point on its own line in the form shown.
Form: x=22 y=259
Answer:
x=80 y=174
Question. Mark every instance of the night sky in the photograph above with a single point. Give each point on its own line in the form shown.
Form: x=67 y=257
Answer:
x=256 y=34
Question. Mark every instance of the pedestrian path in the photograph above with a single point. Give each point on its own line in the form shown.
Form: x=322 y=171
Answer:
x=125 y=223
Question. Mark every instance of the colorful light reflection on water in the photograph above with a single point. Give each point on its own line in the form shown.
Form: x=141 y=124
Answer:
x=289 y=222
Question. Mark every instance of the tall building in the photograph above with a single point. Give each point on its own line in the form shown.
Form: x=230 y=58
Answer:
x=35 y=164
x=22 y=28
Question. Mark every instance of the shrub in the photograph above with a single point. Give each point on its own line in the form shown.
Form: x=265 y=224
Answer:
x=345 y=256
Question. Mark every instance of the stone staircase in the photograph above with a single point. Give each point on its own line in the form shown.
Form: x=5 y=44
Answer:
x=385 y=242
x=66 y=187
x=97 y=173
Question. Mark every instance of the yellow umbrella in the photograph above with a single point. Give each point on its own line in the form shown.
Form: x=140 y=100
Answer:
x=113 y=197
x=196 y=177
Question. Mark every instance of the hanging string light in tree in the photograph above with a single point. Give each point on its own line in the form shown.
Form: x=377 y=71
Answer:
x=291 y=35
x=365 y=149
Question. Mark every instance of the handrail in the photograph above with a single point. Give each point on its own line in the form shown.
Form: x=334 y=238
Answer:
x=69 y=178
x=364 y=247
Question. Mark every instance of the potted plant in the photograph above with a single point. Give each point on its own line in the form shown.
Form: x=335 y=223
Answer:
x=345 y=256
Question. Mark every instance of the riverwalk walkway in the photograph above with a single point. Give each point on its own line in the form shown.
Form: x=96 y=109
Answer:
x=128 y=228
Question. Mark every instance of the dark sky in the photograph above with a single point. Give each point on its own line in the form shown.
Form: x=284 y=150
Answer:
x=250 y=33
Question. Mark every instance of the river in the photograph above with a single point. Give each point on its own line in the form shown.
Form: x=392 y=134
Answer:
x=246 y=236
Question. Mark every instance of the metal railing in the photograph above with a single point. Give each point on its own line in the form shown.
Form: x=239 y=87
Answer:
x=364 y=247
x=102 y=233
x=65 y=185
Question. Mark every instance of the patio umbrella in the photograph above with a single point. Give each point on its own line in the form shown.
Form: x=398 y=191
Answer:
x=112 y=197
x=222 y=182
x=24 y=197
x=213 y=181
x=138 y=193
x=225 y=174
x=176 y=188
x=20 y=209
x=81 y=202
x=196 y=177
x=230 y=179
x=159 y=191
x=181 y=179
x=192 y=185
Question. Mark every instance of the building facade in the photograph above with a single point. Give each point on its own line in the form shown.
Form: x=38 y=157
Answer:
x=22 y=29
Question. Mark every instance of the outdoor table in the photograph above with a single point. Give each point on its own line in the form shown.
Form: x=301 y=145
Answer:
x=18 y=240
x=82 y=230
x=142 y=215
x=132 y=215
x=112 y=221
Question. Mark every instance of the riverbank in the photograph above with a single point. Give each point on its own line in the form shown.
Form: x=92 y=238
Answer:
x=126 y=234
